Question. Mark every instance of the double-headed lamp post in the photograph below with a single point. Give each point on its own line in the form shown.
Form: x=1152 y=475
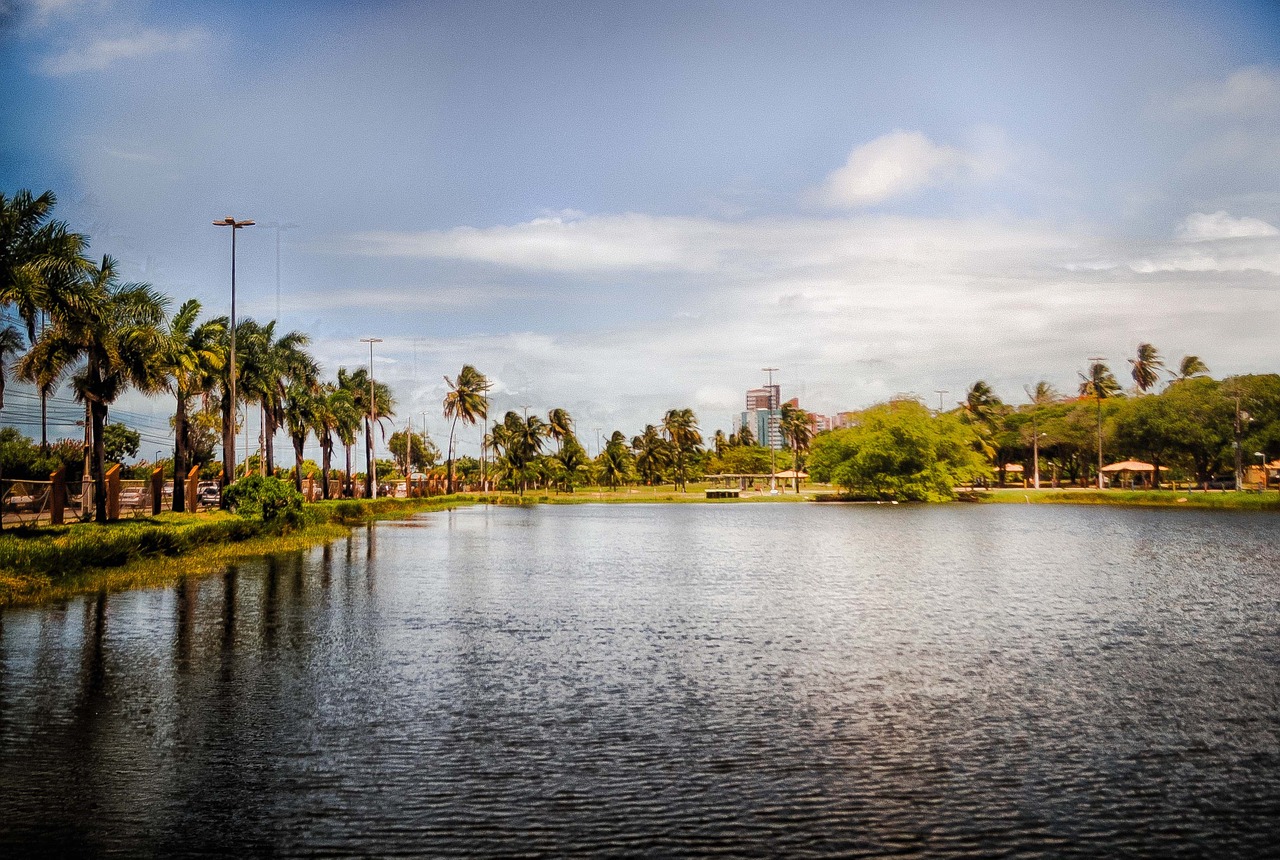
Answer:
x=373 y=419
x=229 y=469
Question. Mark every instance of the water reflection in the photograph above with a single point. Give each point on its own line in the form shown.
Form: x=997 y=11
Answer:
x=668 y=680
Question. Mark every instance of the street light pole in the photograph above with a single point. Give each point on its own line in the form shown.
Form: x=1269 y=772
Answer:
x=373 y=419
x=773 y=452
x=1262 y=463
x=277 y=226
x=229 y=452
x=940 y=392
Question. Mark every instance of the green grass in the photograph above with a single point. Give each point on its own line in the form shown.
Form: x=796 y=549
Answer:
x=1243 y=501
x=48 y=563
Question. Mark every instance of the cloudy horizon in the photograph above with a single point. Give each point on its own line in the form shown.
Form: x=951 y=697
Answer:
x=621 y=209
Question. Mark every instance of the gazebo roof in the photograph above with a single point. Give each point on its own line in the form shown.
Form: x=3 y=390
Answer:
x=791 y=473
x=1129 y=466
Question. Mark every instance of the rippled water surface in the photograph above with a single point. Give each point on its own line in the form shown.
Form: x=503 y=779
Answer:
x=670 y=680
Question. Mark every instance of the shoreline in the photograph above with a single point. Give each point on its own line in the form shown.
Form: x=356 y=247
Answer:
x=158 y=564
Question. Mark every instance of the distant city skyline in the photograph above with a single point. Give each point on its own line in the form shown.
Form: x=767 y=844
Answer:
x=619 y=209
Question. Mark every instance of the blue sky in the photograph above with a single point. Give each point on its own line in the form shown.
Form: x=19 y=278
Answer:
x=623 y=207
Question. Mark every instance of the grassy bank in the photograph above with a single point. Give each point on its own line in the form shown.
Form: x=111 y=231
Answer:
x=49 y=563
x=1137 y=498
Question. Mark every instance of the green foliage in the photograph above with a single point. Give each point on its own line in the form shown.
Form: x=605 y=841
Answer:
x=62 y=551
x=273 y=501
x=743 y=460
x=119 y=442
x=898 y=451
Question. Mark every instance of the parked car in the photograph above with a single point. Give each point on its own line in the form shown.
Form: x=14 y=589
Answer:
x=207 y=494
x=132 y=497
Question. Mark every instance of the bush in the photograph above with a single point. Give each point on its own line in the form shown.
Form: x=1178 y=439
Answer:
x=277 y=503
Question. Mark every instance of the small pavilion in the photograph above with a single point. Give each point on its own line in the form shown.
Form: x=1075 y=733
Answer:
x=1130 y=473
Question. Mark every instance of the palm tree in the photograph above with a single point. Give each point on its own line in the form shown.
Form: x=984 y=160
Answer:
x=119 y=341
x=464 y=400
x=1146 y=367
x=192 y=359
x=1190 y=367
x=571 y=458
x=681 y=428
x=333 y=412
x=1099 y=383
x=271 y=366
x=42 y=267
x=11 y=343
x=981 y=404
x=798 y=430
x=37 y=255
x=653 y=454
x=615 y=461
x=298 y=414
x=1042 y=393
x=383 y=406
x=559 y=425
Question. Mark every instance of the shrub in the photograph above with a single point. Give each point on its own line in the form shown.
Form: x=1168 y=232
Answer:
x=277 y=503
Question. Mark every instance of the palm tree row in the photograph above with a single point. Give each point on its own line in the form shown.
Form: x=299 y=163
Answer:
x=79 y=323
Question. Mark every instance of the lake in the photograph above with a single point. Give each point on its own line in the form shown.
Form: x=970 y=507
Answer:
x=670 y=680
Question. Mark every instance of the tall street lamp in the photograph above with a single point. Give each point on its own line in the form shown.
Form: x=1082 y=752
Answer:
x=773 y=453
x=1262 y=462
x=373 y=419
x=229 y=453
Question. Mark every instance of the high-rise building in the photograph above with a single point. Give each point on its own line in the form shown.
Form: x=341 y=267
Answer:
x=763 y=415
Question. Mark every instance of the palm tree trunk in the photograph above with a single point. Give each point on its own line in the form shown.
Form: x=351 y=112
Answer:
x=269 y=436
x=180 y=453
x=368 y=458
x=98 y=410
x=348 y=489
x=228 y=438
x=326 y=455
x=298 y=443
x=449 y=480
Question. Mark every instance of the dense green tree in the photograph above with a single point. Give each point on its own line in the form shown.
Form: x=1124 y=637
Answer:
x=899 y=451
x=416 y=450
x=120 y=442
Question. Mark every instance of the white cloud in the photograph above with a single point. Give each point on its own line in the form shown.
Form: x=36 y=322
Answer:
x=893 y=165
x=1249 y=92
x=757 y=248
x=1201 y=227
x=100 y=53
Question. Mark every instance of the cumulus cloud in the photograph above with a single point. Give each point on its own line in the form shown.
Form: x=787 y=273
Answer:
x=1247 y=93
x=892 y=165
x=1201 y=227
x=99 y=53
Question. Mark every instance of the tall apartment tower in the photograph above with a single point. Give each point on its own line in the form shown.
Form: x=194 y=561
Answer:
x=763 y=415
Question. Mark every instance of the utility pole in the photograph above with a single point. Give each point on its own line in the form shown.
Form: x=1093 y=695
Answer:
x=940 y=392
x=373 y=420
x=277 y=226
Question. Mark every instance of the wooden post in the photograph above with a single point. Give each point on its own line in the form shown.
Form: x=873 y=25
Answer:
x=193 y=485
x=113 y=492
x=157 y=490
x=58 y=496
